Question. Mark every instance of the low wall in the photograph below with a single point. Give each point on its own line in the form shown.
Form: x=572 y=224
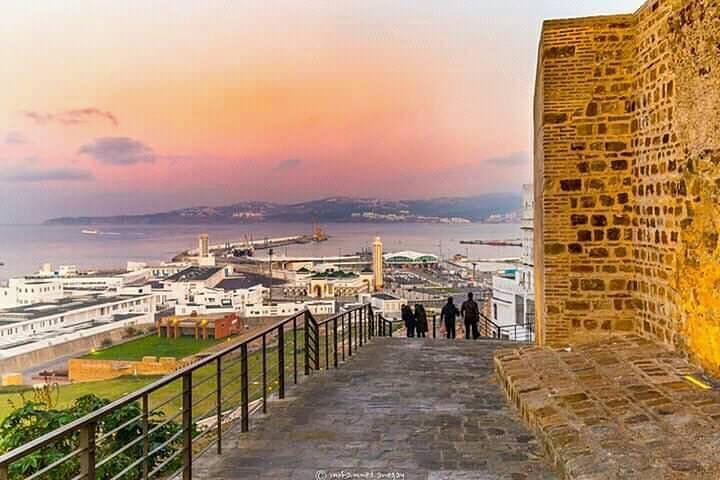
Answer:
x=24 y=361
x=89 y=370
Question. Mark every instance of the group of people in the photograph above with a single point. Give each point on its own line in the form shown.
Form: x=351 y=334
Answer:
x=416 y=322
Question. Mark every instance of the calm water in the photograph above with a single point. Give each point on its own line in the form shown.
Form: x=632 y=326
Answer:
x=23 y=248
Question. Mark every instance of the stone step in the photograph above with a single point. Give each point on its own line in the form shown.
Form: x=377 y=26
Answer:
x=616 y=409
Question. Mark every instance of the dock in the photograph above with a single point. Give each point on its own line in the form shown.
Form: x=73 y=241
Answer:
x=494 y=243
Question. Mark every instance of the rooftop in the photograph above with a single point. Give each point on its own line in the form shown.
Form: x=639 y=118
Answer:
x=410 y=256
x=63 y=305
x=194 y=274
x=385 y=296
x=247 y=280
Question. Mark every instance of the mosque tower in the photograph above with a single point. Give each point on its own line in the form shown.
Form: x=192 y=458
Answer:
x=377 y=263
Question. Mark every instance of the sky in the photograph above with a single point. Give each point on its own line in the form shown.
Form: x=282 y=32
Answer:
x=111 y=107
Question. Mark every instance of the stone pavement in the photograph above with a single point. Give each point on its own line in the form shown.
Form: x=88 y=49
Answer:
x=420 y=409
x=616 y=409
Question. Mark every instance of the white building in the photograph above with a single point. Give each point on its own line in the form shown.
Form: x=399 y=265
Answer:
x=25 y=291
x=410 y=259
x=384 y=303
x=513 y=299
x=285 y=309
x=328 y=282
x=159 y=270
x=179 y=288
x=30 y=327
x=231 y=295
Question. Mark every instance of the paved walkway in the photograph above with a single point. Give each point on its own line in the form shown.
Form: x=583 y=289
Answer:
x=418 y=409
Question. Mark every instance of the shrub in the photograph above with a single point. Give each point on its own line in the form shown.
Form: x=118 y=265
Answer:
x=36 y=418
x=106 y=343
x=131 y=332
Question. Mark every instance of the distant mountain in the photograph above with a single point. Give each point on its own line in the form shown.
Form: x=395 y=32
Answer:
x=335 y=209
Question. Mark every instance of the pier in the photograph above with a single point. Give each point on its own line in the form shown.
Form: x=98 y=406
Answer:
x=493 y=243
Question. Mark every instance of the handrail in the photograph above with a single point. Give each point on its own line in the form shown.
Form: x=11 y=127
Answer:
x=49 y=437
x=88 y=423
x=344 y=333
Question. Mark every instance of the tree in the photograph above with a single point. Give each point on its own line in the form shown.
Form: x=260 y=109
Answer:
x=40 y=416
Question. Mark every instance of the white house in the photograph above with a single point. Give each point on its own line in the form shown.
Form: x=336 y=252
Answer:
x=388 y=305
x=231 y=295
x=513 y=298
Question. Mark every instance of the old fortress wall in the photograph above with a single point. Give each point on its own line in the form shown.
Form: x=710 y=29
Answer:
x=627 y=168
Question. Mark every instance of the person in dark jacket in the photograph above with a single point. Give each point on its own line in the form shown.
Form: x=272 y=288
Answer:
x=471 y=315
x=409 y=318
x=421 y=323
x=448 y=315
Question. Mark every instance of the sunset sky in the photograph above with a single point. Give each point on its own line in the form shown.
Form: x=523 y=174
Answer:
x=111 y=107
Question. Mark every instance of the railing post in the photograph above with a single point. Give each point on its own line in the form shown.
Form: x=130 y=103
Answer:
x=327 y=346
x=435 y=325
x=245 y=425
x=87 y=457
x=342 y=335
x=281 y=362
x=350 y=334
x=218 y=404
x=362 y=330
x=187 y=424
x=335 y=343
x=371 y=324
x=295 y=350
x=307 y=347
x=264 y=373
x=146 y=440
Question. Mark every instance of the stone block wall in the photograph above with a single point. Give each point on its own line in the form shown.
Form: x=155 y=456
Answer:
x=89 y=370
x=583 y=208
x=627 y=166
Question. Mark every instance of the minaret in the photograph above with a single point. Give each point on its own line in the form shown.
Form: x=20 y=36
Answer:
x=204 y=249
x=377 y=263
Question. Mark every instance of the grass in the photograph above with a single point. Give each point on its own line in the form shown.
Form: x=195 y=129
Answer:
x=167 y=398
x=155 y=346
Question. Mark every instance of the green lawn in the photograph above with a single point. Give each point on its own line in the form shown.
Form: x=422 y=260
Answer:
x=204 y=378
x=154 y=346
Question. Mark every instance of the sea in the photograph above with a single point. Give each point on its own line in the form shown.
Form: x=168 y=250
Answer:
x=24 y=248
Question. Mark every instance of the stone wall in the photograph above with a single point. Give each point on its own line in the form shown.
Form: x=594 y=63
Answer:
x=22 y=362
x=89 y=370
x=584 y=193
x=628 y=168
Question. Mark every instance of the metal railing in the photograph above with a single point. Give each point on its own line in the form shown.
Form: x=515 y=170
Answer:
x=486 y=327
x=203 y=400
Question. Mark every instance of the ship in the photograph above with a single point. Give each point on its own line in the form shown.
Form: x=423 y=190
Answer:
x=318 y=234
x=90 y=232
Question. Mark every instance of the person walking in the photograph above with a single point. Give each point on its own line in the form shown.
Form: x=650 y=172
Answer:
x=448 y=314
x=409 y=318
x=421 y=323
x=471 y=316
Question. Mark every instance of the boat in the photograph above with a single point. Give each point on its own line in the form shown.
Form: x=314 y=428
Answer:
x=90 y=232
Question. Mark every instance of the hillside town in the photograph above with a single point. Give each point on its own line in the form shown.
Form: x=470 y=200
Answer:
x=63 y=312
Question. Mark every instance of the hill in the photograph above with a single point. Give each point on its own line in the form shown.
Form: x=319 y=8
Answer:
x=335 y=209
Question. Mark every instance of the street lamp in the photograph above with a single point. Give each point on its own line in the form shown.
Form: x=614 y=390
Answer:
x=270 y=254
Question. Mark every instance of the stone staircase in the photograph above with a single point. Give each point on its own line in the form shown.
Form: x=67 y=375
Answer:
x=399 y=408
